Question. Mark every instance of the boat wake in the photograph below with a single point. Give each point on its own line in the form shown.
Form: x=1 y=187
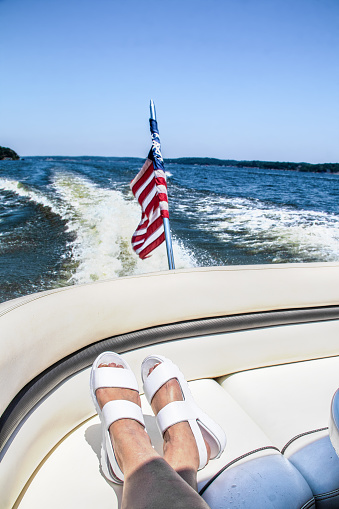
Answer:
x=281 y=233
x=101 y=222
x=65 y=222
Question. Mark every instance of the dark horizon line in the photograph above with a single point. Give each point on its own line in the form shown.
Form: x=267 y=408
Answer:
x=189 y=158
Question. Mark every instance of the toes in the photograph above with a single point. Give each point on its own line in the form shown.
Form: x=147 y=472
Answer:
x=110 y=365
x=168 y=392
x=153 y=367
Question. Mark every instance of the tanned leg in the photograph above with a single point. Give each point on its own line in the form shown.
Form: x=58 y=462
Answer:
x=180 y=449
x=150 y=481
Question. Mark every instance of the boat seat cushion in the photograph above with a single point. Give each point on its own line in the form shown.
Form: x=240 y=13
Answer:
x=334 y=422
x=269 y=482
x=252 y=461
x=292 y=404
x=287 y=400
x=319 y=465
x=75 y=461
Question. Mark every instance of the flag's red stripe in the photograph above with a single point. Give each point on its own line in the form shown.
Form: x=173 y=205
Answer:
x=143 y=254
x=156 y=192
x=148 y=190
x=162 y=197
x=142 y=179
x=164 y=213
x=161 y=181
x=154 y=226
x=153 y=205
x=138 y=182
x=140 y=247
x=150 y=230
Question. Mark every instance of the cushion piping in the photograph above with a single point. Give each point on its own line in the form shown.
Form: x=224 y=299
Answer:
x=204 y=488
x=283 y=450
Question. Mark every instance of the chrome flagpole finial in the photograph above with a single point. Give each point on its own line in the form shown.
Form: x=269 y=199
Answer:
x=153 y=115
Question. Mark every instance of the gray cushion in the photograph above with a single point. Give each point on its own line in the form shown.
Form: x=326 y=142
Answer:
x=266 y=482
x=319 y=465
x=334 y=422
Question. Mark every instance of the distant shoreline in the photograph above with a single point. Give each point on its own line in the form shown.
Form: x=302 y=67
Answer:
x=263 y=165
x=7 y=154
x=331 y=168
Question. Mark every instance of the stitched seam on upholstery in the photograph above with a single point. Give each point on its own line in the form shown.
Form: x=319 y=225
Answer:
x=283 y=450
x=309 y=503
x=329 y=494
x=232 y=463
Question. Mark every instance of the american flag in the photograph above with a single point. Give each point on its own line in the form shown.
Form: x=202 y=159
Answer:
x=150 y=189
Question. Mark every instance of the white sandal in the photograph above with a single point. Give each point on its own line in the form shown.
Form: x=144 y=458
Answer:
x=202 y=426
x=113 y=410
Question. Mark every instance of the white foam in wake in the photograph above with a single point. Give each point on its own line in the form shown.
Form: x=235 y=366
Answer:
x=104 y=221
x=28 y=192
x=305 y=235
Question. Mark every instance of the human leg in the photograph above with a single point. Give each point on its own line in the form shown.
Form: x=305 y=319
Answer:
x=191 y=437
x=149 y=480
x=180 y=448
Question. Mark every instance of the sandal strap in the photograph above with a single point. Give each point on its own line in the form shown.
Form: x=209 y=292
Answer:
x=121 y=409
x=180 y=411
x=174 y=412
x=202 y=426
x=114 y=377
x=158 y=377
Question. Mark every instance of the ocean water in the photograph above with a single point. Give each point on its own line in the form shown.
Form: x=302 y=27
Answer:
x=66 y=221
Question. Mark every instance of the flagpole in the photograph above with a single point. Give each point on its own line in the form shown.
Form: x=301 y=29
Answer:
x=165 y=220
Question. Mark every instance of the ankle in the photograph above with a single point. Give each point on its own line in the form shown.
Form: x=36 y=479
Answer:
x=180 y=448
x=131 y=443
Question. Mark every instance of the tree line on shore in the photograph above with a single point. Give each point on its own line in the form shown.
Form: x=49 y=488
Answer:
x=265 y=165
x=8 y=153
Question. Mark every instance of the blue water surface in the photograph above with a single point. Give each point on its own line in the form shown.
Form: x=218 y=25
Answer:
x=69 y=220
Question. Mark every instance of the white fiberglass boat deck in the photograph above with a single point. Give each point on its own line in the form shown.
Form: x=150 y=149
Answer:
x=259 y=344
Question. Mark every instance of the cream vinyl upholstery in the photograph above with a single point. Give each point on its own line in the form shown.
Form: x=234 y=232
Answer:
x=39 y=330
x=236 y=376
x=79 y=452
x=74 y=463
x=289 y=399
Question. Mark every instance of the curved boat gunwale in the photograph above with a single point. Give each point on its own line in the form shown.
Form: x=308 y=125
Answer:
x=255 y=316
x=49 y=379
x=12 y=304
x=58 y=322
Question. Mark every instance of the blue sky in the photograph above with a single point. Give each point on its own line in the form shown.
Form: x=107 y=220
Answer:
x=233 y=79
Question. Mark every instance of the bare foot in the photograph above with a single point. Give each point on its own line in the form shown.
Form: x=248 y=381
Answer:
x=180 y=448
x=129 y=439
x=106 y=394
